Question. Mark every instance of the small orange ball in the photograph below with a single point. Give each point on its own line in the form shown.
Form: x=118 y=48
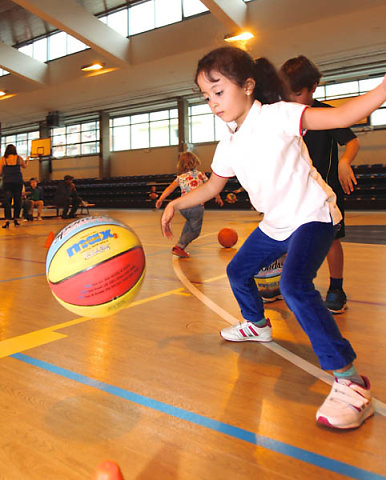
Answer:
x=231 y=198
x=227 y=237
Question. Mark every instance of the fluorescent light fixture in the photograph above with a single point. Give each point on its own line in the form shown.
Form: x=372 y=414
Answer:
x=93 y=67
x=236 y=37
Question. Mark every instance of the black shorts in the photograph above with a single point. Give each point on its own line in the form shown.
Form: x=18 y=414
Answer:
x=340 y=232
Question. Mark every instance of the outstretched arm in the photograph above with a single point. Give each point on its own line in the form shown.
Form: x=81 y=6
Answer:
x=168 y=190
x=347 y=114
x=199 y=195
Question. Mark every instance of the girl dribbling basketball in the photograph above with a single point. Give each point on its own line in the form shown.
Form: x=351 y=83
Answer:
x=265 y=150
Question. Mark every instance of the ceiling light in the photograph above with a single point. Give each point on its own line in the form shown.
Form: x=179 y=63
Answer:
x=93 y=67
x=236 y=37
x=2 y=93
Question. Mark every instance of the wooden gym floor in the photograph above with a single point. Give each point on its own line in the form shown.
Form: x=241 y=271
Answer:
x=157 y=390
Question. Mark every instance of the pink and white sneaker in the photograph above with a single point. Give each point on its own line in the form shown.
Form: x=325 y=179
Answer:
x=248 y=331
x=347 y=406
x=179 y=252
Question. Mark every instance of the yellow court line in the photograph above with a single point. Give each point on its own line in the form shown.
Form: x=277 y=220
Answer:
x=27 y=341
x=213 y=279
x=46 y=335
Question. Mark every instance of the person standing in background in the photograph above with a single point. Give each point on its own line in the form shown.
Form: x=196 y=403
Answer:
x=10 y=170
x=301 y=77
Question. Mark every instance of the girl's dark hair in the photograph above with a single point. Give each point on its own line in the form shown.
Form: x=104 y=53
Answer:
x=300 y=73
x=269 y=87
x=10 y=150
x=237 y=65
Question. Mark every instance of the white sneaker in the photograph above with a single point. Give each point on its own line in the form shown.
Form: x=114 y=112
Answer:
x=347 y=406
x=248 y=331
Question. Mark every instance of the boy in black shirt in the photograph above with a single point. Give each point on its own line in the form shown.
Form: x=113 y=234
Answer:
x=66 y=195
x=301 y=78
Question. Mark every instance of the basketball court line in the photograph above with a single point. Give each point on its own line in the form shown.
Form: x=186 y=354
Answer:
x=20 y=343
x=14 y=279
x=28 y=260
x=308 y=367
x=253 y=438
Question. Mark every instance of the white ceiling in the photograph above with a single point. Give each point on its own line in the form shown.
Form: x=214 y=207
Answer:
x=340 y=35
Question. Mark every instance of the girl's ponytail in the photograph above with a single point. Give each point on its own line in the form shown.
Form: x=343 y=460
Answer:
x=269 y=87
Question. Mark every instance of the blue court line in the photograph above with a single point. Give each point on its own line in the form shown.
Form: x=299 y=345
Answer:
x=230 y=430
x=23 y=278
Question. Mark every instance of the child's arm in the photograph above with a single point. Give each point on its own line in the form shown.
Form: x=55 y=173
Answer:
x=347 y=114
x=345 y=172
x=168 y=190
x=195 y=197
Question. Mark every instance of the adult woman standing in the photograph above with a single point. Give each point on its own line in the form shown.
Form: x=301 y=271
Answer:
x=10 y=170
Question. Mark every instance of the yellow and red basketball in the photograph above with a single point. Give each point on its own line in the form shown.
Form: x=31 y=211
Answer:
x=227 y=237
x=95 y=266
x=268 y=280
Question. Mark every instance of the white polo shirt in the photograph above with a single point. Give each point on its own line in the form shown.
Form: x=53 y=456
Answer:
x=271 y=161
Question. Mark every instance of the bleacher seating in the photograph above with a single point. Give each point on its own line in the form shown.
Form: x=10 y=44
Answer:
x=370 y=192
x=135 y=191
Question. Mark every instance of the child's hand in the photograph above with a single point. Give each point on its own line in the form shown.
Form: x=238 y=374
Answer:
x=219 y=201
x=166 y=219
x=158 y=203
x=346 y=177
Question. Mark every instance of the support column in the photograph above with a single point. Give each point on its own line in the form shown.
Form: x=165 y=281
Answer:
x=45 y=165
x=183 y=124
x=104 y=144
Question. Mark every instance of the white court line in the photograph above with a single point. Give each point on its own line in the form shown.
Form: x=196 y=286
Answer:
x=379 y=406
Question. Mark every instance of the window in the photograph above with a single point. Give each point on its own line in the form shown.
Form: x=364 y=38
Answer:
x=57 y=45
x=342 y=90
x=76 y=139
x=141 y=17
x=26 y=49
x=52 y=46
x=118 y=21
x=144 y=130
x=378 y=118
x=36 y=49
x=74 y=45
x=134 y=19
x=152 y=14
x=193 y=7
x=167 y=12
x=40 y=50
x=203 y=125
x=22 y=141
x=353 y=89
